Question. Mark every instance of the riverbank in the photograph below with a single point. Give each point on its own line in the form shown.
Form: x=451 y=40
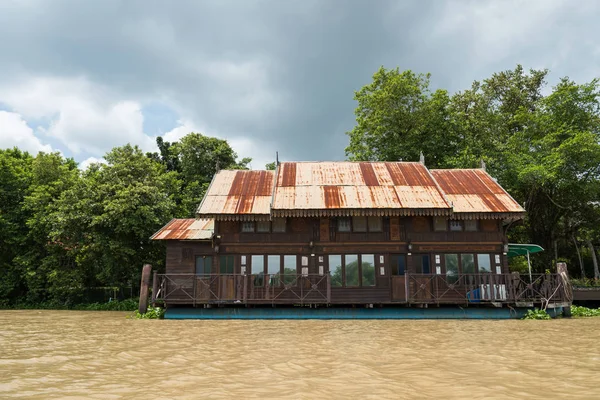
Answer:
x=122 y=305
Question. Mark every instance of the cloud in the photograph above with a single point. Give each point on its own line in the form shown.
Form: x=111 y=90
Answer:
x=89 y=161
x=85 y=117
x=266 y=75
x=14 y=132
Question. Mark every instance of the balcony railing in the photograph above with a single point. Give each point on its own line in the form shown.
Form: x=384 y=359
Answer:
x=190 y=289
x=242 y=289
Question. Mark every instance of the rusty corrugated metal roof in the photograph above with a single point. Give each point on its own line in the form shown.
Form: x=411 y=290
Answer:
x=303 y=186
x=238 y=193
x=474 y=191
x=186 y=229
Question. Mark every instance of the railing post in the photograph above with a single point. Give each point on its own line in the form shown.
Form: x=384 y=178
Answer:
x=154 y=287
x=328 y=288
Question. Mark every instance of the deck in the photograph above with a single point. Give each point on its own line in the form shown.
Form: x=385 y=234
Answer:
x=547 y=290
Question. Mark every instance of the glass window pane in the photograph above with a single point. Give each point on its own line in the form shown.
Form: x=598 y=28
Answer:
x=351 y=269
x=368 y=269
x=226 y=264
x=451 y=267
x=258 y=270
x=471 y=225
x=483 y=261
x=439 y=224
x=344 y=225
x=248 y=226
x=456 y=225
x=274 y=269
x=335 y=270
x=375 y=224
x=359 y=224
x=263 y=226
x=279 y=224
x=425 y=264
x=467 y=262
x=203 y=265
x=289 y=269
x=398 y=264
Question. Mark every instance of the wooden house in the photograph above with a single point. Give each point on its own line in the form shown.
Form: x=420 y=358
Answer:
x=328 y=234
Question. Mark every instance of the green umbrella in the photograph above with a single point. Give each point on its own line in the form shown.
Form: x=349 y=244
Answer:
x=518 y=249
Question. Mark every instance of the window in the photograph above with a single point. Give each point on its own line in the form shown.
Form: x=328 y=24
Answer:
x=484 y=264
x=274 y=270
x=368 y=269
x=471 y=225
x=421 y=262
x=351 y=269
x=456 y=225
x=248 y=226
x=398 y=264
x=451 y=267
x=289 y=270
x=279 y=225
x=344 y=225
x=226 y=264
x=203 y=265
x=467 y=262
x=335 y=270
x=258 y=270
x=359 y=224
x=263 y=226
x=375 y=224
x=439 y=224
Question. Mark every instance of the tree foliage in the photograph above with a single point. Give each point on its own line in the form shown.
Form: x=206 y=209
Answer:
x=63 y=230
x=542 y=145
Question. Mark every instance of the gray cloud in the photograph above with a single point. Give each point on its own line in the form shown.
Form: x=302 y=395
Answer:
x=282 y=73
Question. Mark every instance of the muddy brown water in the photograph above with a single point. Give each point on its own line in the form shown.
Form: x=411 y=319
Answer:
x=104 y=355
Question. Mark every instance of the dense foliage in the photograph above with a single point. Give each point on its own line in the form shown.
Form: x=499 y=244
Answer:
x=542 y=144
x=63 y=230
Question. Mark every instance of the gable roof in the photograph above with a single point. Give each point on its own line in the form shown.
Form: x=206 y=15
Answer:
x=346 y=188
x=474 y=191
x=186 y=229
x=238 y=194
x=359 y=188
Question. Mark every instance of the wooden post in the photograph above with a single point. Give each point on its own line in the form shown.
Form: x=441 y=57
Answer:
x=154 y=288
x=143 y=306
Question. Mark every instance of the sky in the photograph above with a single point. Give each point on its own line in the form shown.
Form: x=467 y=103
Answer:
x=82 y=77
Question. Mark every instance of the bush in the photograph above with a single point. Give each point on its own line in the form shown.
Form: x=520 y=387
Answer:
x=577 y=311
x=152 y=313
x=536 y=314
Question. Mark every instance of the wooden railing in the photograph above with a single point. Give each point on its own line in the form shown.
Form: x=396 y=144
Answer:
x=485 y=288
x=520 y=290
x=242 y=289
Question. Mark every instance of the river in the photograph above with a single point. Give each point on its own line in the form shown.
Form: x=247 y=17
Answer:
x=104 y=355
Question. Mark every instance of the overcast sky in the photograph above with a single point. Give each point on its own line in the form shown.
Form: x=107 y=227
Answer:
x=82 y=77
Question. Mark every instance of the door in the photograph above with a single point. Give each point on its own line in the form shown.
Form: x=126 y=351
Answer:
x=397 y=271
x=226 y=278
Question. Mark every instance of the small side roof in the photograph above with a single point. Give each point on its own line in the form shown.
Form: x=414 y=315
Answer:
x=186 y=229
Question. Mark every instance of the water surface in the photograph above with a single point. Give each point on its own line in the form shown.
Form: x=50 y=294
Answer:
x=103 y=355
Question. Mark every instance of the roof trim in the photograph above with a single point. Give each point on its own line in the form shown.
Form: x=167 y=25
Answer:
x=351 y=212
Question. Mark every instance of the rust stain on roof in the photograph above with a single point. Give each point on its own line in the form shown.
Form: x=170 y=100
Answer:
x=238 y=192
x=288 y=175
x=368 y=174
x=473 y=190
x=186 y=229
